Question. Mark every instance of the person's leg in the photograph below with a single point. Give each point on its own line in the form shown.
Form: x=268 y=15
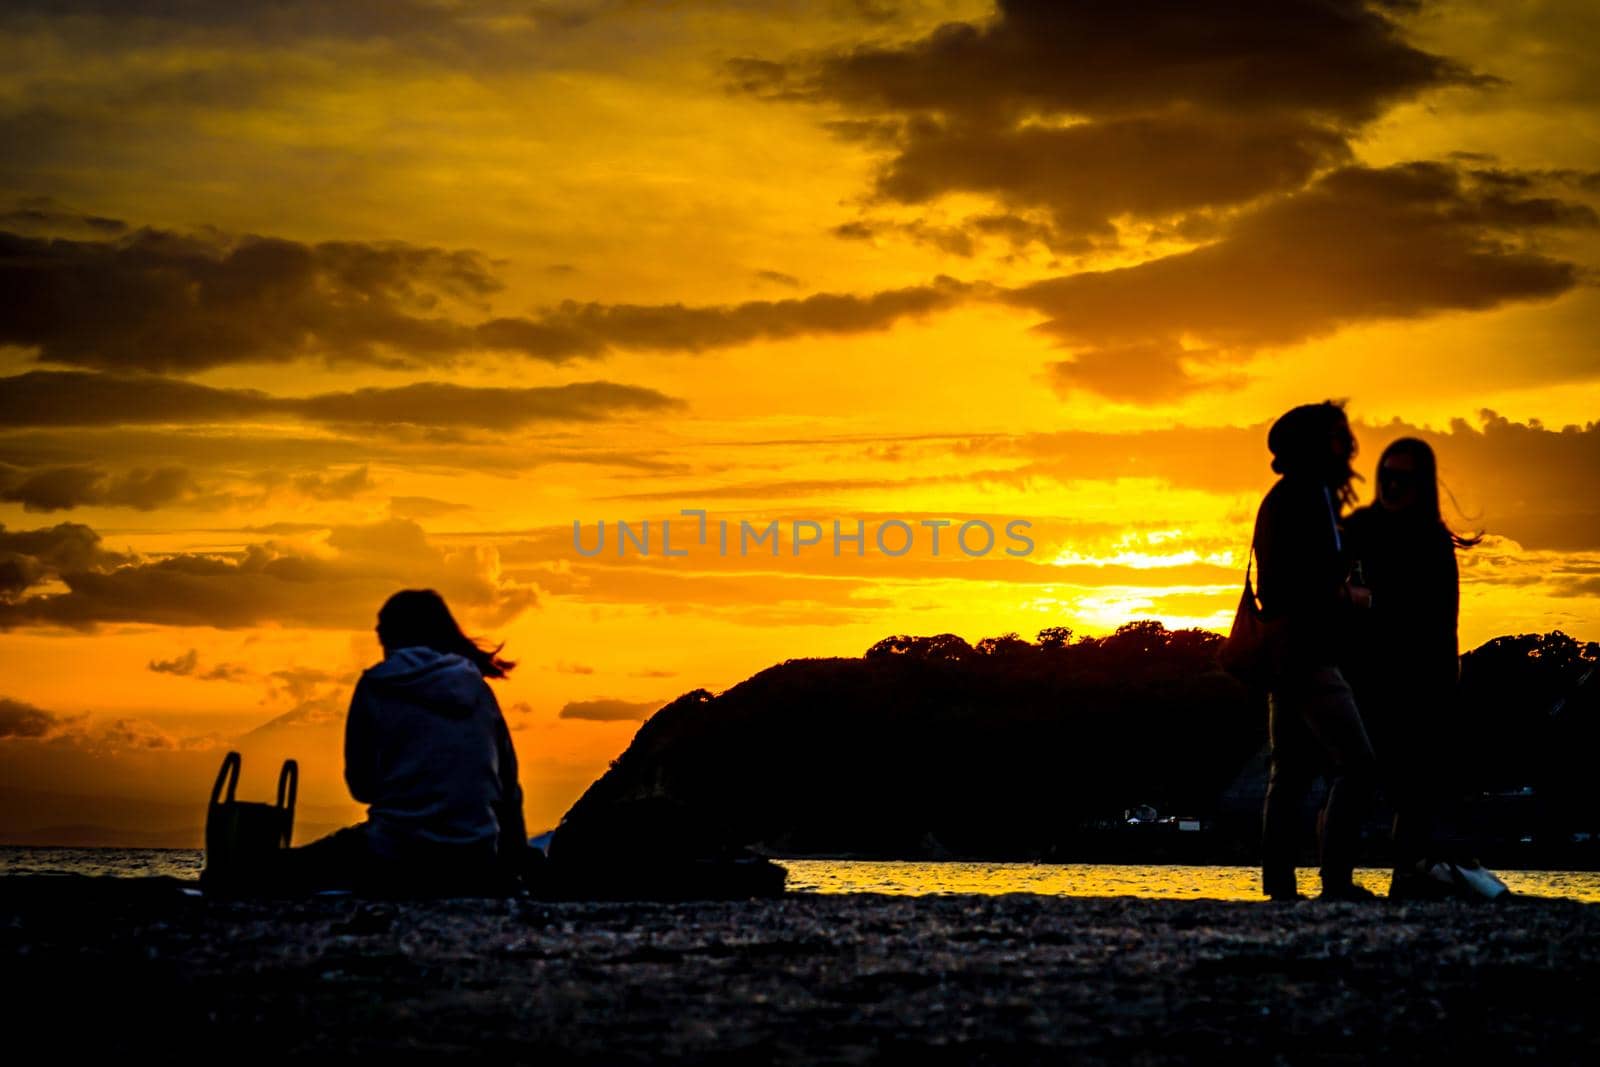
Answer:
x=417 y=867
x=1333 y=720
x=341 y=860
x=1289 y=775
x=1414 y=784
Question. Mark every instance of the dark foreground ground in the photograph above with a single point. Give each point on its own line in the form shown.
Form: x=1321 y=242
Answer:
x=135 y=967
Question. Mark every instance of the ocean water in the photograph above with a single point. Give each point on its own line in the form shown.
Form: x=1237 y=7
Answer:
x=900 y=878
x=1156 y=882
x=115 y=862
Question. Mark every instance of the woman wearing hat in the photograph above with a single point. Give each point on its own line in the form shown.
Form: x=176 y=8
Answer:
x=1313 y=723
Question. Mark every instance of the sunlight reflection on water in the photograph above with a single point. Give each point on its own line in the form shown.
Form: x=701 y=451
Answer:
x=1105 y=880
x=895 y=877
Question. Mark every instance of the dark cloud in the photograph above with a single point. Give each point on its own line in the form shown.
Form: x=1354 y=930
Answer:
x=608 y=710
x=165 y=302
x=345 y=486
x=1094 y=112
x=1143 y=372
x=1576 y=587
x=188 y=666
x=1342 y=59
x=339 y=583
x=443 y=404
x=1522 y=480
x=160 y=301
x=39 y=216
x=964 y=239
x=18 y=719
x=183 y=665
x=675 y=327
x=80 y=398
x=1017 y=230
x=1088 y=174
x=1359 y=244
x=28 y=557
x=777 y=277
x=224 y=672
x=64 y=488
x=1526 y=481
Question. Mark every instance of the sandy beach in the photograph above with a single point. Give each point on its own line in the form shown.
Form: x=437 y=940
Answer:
x=101 y=964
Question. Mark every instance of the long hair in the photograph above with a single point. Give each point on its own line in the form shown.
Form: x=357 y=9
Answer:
x=1299 y=443
x=414 y=617
x=1427 y=468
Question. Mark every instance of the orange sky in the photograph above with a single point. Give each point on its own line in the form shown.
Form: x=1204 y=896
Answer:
x=300 y=308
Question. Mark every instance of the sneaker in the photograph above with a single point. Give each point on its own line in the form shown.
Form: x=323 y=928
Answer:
x=1472 y=881
x=1350 y=892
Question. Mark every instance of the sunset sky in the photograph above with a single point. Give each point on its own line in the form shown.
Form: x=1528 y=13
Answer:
x=307 y=303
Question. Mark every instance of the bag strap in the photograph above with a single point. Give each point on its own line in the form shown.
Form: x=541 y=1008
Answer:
x=288 y=787
x=1249 y=590
x=230 y=763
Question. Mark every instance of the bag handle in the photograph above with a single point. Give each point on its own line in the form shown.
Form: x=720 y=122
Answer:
x=288 y=787
x=1249 y=590
x=230 y=763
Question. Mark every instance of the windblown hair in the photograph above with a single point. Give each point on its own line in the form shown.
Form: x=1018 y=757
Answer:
x=1299 y=443
x=419 y=617
x=1427 y=468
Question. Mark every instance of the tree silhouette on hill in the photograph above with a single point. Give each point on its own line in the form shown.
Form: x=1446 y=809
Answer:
x=1008 y=747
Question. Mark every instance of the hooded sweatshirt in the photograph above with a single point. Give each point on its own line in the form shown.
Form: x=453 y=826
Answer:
x=428 y=751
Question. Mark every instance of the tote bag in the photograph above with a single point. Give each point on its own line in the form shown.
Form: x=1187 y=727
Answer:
x=245 y=839
x=1250 y=651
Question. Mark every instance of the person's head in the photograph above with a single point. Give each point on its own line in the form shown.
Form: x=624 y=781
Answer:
x=1315 y=441
x=419 y=617
x=1408 y=485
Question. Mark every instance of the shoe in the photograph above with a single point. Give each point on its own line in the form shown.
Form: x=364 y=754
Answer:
x=1348 y=892
x=1471 y=880
x=1280 y=886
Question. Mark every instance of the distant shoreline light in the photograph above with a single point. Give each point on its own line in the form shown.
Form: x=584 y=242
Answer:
x=974 y=538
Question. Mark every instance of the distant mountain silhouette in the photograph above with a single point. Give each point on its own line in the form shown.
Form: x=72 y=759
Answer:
x=93 y=820
x=927 y=747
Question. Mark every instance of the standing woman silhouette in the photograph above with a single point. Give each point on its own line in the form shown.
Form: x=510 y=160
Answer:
x=1313 y=722
x=1404 y=660
x=428 y=751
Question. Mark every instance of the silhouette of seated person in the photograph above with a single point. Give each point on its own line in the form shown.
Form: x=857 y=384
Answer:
x=428 y=751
